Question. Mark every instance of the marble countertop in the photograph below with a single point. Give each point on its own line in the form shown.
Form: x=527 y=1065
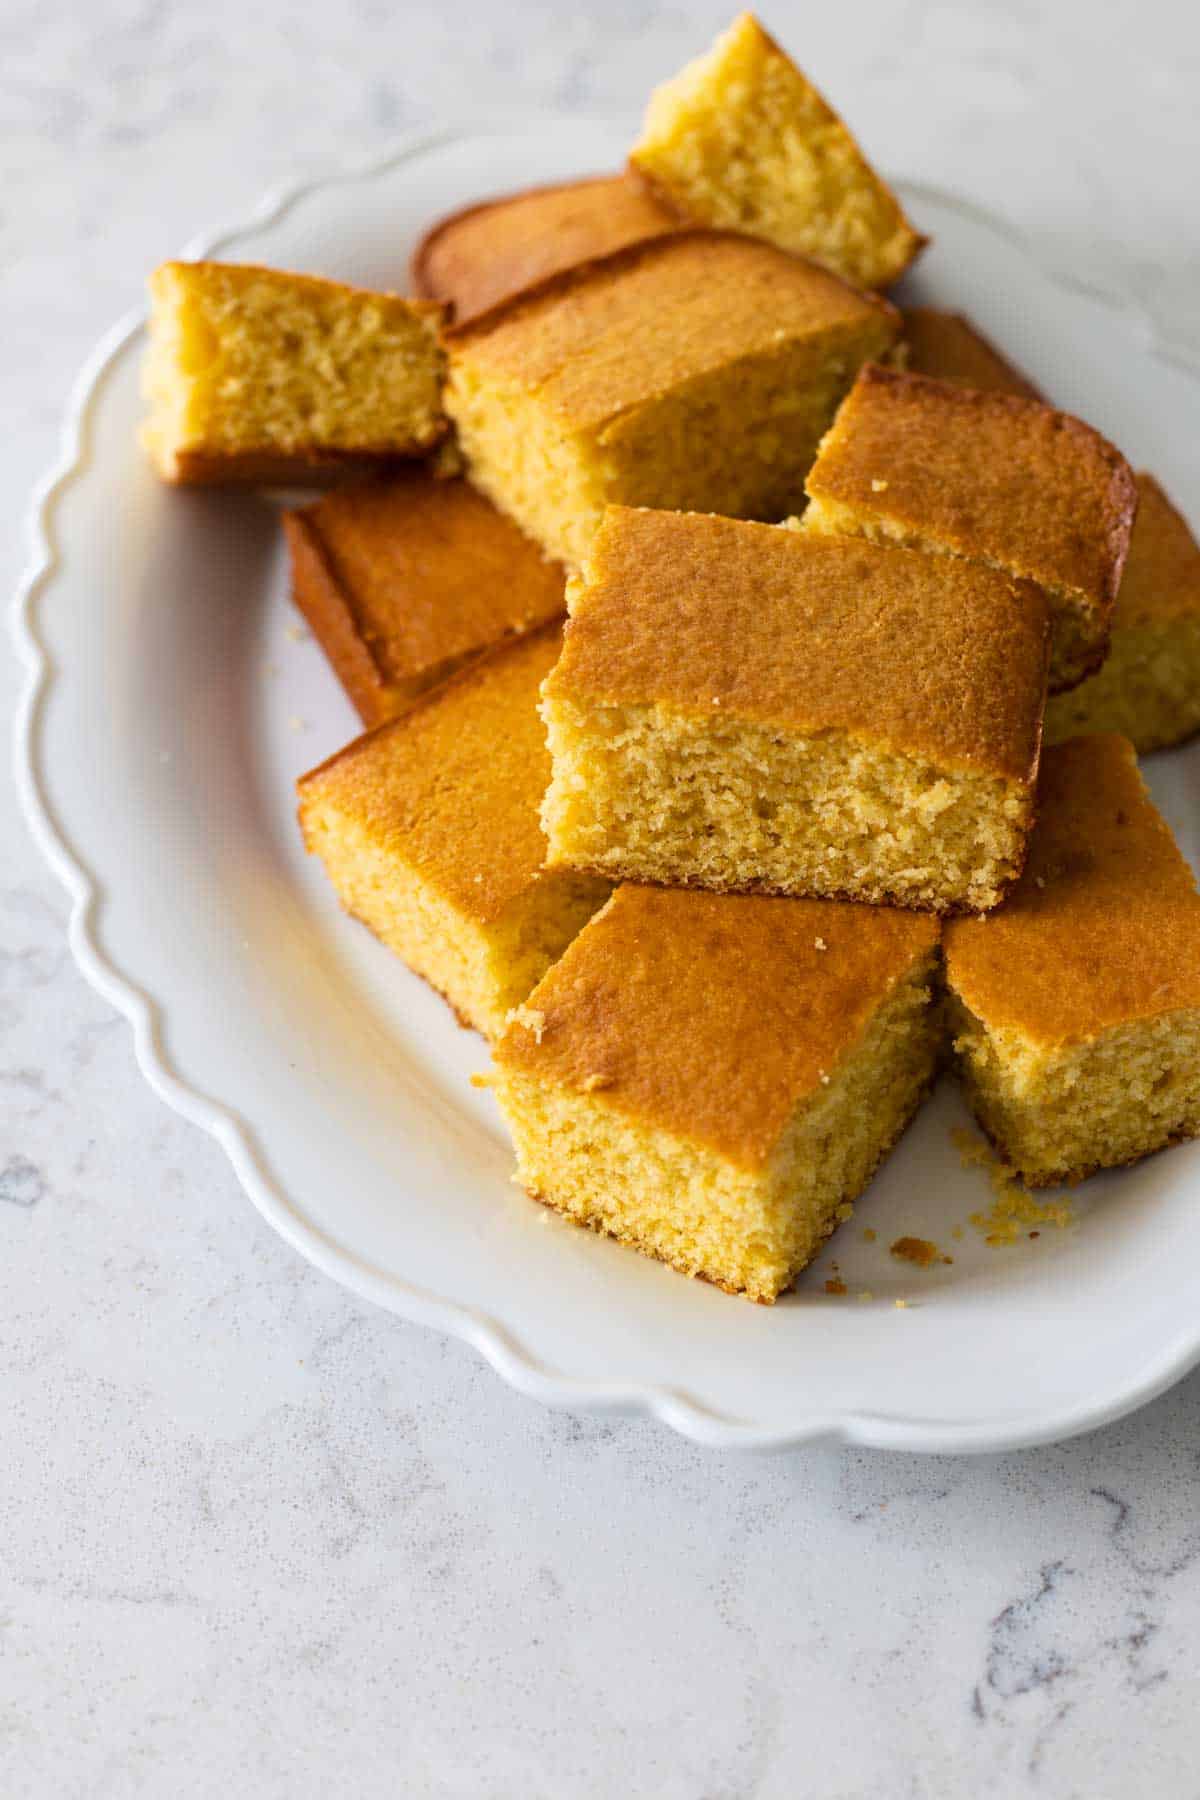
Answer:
x=255 y=1536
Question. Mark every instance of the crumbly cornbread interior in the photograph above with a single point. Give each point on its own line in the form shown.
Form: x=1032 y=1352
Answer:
x=1148 y=688
x=244 y=360
x=483 y=966
x=741 y=139
x=750 y=1230
x=1061 y=1111
x=642 y=794
x=1073 y=640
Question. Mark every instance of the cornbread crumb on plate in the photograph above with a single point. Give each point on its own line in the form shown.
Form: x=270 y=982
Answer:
x=713 y=1143
x=743 y=708
x=405 y=581
x=696 y=370
x=1149 y=687
x=258 y=375
x=484 y=255
x=947 y=346
x=988 y=476
x=741 y=139
x=1075 y=1009
x=428 y=829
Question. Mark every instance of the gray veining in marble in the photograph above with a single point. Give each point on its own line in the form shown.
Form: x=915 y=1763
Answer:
x=259 y=1539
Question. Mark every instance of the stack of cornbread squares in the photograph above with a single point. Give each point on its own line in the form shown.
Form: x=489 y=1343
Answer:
x=703 y=609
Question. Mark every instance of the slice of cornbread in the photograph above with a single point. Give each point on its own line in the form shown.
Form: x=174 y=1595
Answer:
x=1075 y=1009
x=1002 y=480
x=948 y=347
x=476 y=259
x=741 y=139
x=698 y=370
x=428 y=829
x=714 y=1079
x=743 y=707
x=406 y=580
x=257 y=375
x=1149 y=687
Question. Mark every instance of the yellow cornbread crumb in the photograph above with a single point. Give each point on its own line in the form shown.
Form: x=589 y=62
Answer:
x=1014 y=1209
x=531 y=1019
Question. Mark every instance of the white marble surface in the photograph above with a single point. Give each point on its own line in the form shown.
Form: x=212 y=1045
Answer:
x=257 y=1538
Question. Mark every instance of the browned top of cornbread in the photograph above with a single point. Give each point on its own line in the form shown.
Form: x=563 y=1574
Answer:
x=615 y=333
x=428 y=571
x=453 y=786
x=994 y=476
x=1161 y=582
x=1104 y=926
x=948 y=346
x=711 y=1016
x=924 y=655
x=475 y=259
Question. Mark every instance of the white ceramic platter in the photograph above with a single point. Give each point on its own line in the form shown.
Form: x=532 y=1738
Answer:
x=171 y=705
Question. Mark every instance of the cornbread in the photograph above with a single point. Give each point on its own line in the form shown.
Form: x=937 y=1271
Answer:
x=990 y=476
x=478 y=258
x=1149 y=688
x=428 y=829
x=950 y=348
x=741 y=707
x=741 y=139
x=697 y=370
x=699 y=1079
x=1075 y=1010
x=406 y=580
x=257 y=375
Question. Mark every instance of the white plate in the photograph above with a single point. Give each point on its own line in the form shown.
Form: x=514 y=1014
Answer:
x=170 y=708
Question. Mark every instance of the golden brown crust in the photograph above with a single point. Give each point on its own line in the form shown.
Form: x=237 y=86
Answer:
x=713 y=1016
x=480 y=257
x=987 y=475
x=606 y=336
x=278 y=468
x=402 y=581
x=1161 y=582
x=947 y=346
x=452 y=787
x=932 y=656
x=1104 y=926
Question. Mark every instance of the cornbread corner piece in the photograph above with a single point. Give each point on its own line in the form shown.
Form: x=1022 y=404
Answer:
x=1075 y=1010
x=1149 y=687
x=743 y=707
x=714 y=1079
x=476 y=259
x=407 y=580
x=428 y=829
x=740 y=138
x=1002 y=480
x=696 y=370
x=947 y=346
x=258 y=375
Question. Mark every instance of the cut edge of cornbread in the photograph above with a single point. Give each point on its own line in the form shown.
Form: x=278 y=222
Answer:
x=1148 y=689
x=741 y=139
x=256 y=374
x=1141 y=1079
x=483 y=968
x=643 y=793
x=1076 y=651
x=555 y=481
x=748 y=1231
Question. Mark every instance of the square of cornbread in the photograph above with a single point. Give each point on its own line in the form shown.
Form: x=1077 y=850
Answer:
x=740 y=138
x=478 y=258
x=697 y=370
x=1075 y=1010
x=990 y=476
x=741 y=707
x=714 y=1079
x=428 y=829
x=1149 y=686
x=258 y=375
x=947 y=346
x=404 y=581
